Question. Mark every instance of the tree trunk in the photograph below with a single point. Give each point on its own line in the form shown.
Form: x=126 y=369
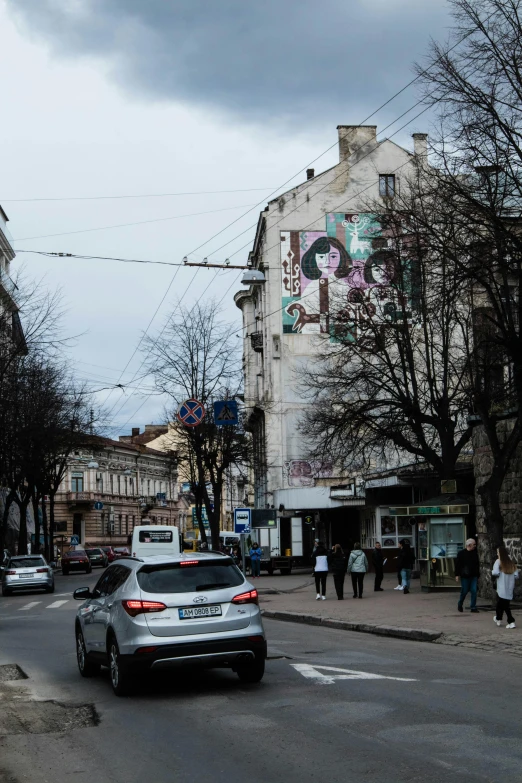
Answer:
x=488 y=542
x=51 y=523
x=45 y=530
x=9 y=500
x=36 y=546
x=22 y=535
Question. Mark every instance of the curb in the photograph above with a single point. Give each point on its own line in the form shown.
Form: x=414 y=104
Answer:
x=415 y=634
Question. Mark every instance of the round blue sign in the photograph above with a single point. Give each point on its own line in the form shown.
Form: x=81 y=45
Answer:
x=98 y=505
x=191 y=413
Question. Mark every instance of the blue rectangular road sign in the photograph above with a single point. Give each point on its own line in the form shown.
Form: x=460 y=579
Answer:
x=225 y=412
x=242 y=520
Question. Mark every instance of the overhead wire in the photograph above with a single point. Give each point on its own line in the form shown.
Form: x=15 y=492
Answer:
x=134 y=223
x=142 y=195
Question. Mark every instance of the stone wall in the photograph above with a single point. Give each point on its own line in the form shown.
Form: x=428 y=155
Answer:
x=510 y=501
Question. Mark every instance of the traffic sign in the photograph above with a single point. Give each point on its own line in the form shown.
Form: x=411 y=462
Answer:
x=98 y=506
x=191 y=413
x=225 y=412
x=75 y=540
x=242 y=518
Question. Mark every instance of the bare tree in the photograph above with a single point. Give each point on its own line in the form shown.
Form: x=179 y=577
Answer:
x=477 y=157
x=196 y=357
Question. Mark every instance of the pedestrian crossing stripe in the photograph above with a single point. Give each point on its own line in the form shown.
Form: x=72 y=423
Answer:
x=56 y=604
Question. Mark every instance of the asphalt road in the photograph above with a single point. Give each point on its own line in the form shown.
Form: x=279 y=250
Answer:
x=329 y=709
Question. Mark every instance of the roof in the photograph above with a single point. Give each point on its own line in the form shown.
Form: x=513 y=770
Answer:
x=182 y=558
x=138 y=448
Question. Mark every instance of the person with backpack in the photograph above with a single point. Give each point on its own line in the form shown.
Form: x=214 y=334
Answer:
x=406 y=562
x=505 y=569
x=357 y=567
x=338 y=566
x=320 y=564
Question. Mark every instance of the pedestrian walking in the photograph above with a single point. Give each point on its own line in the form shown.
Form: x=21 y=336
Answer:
x=378 y=566
x=357 y=567
x=505 y=569
x=320 y=563
x=406 y=562
x=338 y=566
x=236 y=557
x=467 y=569
x=255 y=560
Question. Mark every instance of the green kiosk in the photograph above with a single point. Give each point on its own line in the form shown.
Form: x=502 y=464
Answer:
x=441 y=531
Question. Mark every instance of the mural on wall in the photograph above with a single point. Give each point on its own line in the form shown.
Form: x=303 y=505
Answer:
x=303 y=472
x=336 y=282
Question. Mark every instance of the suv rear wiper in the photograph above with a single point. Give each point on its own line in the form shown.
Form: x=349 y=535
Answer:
x=213 y=586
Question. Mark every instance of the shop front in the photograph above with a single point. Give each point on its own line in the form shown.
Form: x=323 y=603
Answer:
x=442 y=527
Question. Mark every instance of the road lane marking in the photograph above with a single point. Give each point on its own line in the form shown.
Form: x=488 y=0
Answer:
x=29 y=606
x=56 y=604
x=312 y=673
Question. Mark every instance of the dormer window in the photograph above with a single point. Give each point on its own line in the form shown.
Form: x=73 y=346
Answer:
x=387 y=185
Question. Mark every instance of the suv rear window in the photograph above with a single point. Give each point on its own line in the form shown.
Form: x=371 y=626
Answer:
x=175 y=578
x=155 y=536
x=27 y=562
x=94 y=551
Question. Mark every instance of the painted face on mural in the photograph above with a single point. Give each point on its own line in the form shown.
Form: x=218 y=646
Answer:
x=328 y=261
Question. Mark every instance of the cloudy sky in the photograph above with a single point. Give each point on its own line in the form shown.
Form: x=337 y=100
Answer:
x=146 y=98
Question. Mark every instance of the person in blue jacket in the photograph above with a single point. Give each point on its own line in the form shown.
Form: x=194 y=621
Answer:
x=255 y=560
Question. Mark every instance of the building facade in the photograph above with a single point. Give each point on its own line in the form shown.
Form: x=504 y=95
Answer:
x=314 y=243
x=113 y=486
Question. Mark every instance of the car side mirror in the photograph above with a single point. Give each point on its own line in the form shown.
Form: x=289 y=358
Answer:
x=81 y=593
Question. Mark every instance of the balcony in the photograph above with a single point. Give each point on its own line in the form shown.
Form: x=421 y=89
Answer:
x=80 y=498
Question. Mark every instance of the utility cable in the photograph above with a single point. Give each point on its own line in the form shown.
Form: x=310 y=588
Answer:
x=142 y=195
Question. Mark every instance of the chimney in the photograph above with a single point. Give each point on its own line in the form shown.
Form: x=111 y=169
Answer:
x=135 y=431
x=420 y=144
x=353 y=138
x=310 y=173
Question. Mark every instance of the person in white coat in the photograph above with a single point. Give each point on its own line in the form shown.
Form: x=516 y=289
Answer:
x=505 y=569
x=320 y=563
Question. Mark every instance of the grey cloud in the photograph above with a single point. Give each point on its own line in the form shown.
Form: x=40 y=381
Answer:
x=261 y=60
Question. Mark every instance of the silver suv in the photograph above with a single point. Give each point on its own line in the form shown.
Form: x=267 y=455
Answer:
x=161 y=612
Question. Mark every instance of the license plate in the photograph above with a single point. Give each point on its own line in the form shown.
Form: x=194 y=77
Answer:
x=193 y=612
x=25 y=576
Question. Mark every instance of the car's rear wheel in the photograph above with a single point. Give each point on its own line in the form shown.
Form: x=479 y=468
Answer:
x=252 y=671
x=65 y=571
x=87 y=668
x=5 y=592
x=121 y=679
x=49 y=589
x=88 y=570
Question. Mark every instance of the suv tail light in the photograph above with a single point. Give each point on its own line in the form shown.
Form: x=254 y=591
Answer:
x=135 y=607
x=42 y=570
x=10 y=573
x=246 y=598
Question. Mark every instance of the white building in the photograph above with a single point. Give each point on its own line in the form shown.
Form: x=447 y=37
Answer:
x=315 y=241
x=10 y=327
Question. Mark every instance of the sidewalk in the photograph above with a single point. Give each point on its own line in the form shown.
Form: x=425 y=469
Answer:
x=429 y=617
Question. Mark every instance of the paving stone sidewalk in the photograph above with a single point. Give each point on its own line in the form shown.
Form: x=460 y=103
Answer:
x=424 y=616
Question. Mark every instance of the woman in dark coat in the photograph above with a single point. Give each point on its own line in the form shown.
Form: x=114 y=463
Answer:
x=338 y=566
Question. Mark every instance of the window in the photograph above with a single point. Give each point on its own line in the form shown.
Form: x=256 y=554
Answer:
x=127 y=523
x=133 y=521
x=131 y=485
x=387 y=185
x=111 y=580
x=119 y=524
x=103 y=523
x=77 y=482
x=173 y=578
x=119 y=485
x=112 y=484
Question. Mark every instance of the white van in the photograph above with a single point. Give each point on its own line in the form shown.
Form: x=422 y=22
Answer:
x=150 y=540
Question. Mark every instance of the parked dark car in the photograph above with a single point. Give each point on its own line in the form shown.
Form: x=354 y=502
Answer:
x=109 y=551
x=97 y=557
x=76 y=560
x=121 y=551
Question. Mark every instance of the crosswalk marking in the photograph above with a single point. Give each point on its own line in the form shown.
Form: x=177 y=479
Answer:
x=29 y=606
x=56 y=604
x=334 y=673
